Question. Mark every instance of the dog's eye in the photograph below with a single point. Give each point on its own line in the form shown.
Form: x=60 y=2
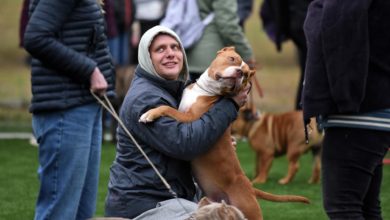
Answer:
x=231 y=59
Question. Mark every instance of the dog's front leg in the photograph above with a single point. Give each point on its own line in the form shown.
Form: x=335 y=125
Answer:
x=164 y=110
x=293 y=167
x=264 y=165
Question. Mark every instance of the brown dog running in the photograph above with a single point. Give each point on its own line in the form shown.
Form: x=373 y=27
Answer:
x=226 y=75
x=272 y=135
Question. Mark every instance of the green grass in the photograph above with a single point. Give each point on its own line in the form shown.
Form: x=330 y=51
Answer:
x=19 y=183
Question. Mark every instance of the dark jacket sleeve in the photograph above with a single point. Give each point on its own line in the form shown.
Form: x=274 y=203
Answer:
x=41 y=40
x=344 y=30
x=187 y=140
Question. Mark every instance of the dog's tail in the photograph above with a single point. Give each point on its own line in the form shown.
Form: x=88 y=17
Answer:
x=280 y=198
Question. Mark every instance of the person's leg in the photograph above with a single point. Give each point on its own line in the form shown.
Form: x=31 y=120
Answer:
x=350 y=160
x=64 y=139
x=114 y=46
x=371 y=203
x=88 y=198
x=124 y=40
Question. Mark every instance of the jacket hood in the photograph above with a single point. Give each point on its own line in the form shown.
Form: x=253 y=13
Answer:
x=144 y=59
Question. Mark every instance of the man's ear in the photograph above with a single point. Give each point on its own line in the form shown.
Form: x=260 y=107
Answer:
x=203 y=202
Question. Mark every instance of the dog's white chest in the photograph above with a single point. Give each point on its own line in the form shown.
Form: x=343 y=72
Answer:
x=189 y=97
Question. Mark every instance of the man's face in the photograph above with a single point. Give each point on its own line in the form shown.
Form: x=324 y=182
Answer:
x=167 y=56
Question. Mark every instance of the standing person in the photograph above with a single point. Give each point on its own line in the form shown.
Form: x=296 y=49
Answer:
x=346 y=87
x=123 y=12
x=244 y=11
x=22 y=26
x=134 y=188
x=149 y=13
x=283 y=20
x=223 y=31
x=70 y=57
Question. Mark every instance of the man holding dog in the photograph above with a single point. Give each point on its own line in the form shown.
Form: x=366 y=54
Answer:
x=135 y=190
x=347 y=83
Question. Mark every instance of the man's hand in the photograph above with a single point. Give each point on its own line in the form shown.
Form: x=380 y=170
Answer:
x=241 y=98
x=251 y=63
x=98 y=82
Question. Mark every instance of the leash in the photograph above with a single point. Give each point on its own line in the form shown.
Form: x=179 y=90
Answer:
x=112 y=111
x=258 y=87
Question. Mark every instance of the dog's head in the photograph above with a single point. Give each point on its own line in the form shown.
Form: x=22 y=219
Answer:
x=208 y=210
x=230 y=72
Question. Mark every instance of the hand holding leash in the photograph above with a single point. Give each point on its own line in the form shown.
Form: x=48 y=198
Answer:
x=98 y=82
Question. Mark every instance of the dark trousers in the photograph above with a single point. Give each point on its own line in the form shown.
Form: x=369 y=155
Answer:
x=352 y=162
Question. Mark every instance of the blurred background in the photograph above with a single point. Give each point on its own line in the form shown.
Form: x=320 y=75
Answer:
x=277 y=72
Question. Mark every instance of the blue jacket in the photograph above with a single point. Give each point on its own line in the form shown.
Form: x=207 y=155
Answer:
x=348 y=61
x=133 y=185
x=67 y=41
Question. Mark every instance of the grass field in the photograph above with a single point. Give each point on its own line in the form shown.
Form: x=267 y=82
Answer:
x=19 y=183
x=277 y=72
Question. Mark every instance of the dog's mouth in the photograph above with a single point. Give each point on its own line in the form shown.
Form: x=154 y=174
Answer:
x=231 y=84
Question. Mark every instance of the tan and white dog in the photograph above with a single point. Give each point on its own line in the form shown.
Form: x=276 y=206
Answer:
x=226 y=75
x=271 y=135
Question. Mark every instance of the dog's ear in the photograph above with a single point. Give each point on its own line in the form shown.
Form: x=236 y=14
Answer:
x=203 y=202
x=252 y=72
x=250 y=114
x=226 y=49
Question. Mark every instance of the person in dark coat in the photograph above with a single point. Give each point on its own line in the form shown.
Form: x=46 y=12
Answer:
x=282 y=21
x=346 y=88
x=23 y=21
x=70 y=59
x=244 y=11
x=134 y=188
x=22 y=27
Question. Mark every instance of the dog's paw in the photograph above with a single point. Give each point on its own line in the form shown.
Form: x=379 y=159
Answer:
x=259 y=181
x=284 y=181
x=145 y=118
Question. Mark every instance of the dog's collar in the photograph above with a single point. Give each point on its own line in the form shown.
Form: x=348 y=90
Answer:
x=207 y=85
x=204 y=89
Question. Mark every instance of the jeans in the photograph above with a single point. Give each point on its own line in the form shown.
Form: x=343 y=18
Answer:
x=352 y=172
x=69 y=159
x=120 y=48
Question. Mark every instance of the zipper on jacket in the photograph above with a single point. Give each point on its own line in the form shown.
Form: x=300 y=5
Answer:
x=92 y=41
